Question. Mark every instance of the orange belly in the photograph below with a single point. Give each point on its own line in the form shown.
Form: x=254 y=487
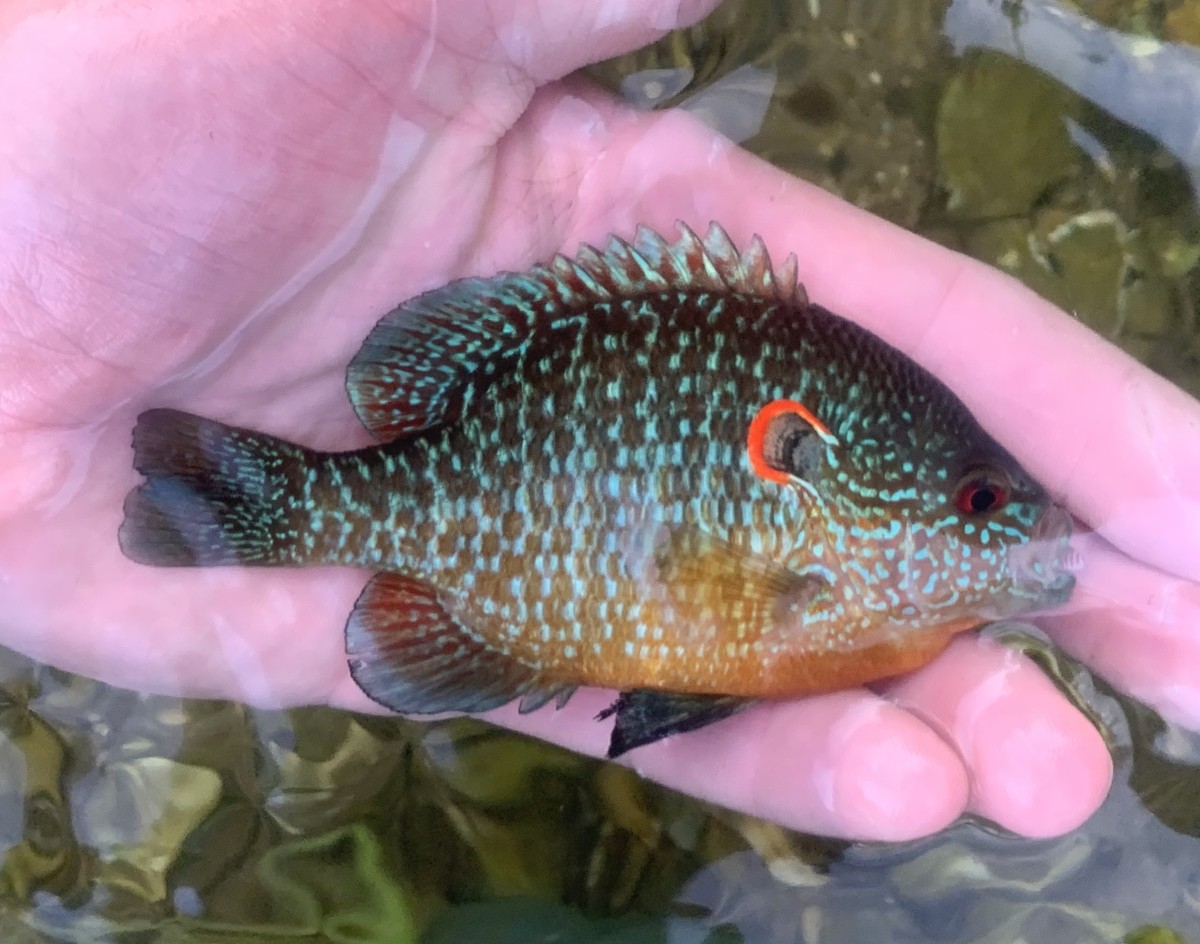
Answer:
x=753 y=667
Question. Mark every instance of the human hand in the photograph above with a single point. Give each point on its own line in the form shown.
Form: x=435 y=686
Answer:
x=211 y=208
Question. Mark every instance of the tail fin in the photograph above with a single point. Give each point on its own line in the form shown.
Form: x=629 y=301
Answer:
x=213 y=494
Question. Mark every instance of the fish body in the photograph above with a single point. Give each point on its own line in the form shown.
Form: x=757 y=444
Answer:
x=656 y=468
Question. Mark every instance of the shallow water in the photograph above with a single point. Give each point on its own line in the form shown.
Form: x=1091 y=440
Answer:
x=150 y=818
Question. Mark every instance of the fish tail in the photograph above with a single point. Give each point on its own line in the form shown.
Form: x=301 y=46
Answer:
x=213 y=495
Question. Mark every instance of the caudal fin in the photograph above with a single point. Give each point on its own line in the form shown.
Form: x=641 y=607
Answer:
x=213 y=494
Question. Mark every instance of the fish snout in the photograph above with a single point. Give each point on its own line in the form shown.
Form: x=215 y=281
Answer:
x=1041 y=566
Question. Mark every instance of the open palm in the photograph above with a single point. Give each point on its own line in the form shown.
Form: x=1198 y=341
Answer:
x=209 y=210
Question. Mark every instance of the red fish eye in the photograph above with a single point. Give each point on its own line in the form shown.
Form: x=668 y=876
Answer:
x=982 y=491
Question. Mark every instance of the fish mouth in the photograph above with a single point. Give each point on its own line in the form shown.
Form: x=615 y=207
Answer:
x=1040 y=567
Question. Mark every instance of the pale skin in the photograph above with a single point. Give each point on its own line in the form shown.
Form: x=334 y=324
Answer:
x=208 y=206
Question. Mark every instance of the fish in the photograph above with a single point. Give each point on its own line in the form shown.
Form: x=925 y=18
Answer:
x=654 y=467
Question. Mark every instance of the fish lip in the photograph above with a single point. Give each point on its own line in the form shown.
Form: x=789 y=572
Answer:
x=1040 y=567
x=1055 y=524
x=1058 y=591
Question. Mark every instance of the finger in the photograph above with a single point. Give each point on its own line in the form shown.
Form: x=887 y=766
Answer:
x=1120 y=443
x=1136 y=626
x=848 y=765
x=1037 y=766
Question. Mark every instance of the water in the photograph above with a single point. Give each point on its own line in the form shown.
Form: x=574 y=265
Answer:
x=126 y=817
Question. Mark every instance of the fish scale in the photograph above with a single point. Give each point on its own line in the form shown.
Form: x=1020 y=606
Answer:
x=655 y=467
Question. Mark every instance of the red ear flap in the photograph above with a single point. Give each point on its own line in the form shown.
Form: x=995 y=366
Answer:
x=786 y=442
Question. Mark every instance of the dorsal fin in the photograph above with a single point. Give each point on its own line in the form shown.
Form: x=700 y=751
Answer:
x=421 y=362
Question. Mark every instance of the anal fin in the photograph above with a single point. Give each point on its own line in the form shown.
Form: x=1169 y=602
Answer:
x=644 y=716
x=533 y=700
x=407 y=653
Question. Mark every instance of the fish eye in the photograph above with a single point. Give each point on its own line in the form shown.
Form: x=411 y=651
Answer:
x=982 y=491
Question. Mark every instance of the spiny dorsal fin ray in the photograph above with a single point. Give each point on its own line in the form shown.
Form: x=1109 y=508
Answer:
x=420 y=364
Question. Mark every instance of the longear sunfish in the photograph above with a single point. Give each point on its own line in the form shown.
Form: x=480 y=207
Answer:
x=656 y=467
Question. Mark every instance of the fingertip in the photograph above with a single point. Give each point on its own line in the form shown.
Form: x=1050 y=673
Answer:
x=891 y=778
x=1043 y=768
x=1037 y=766
x=849 y=765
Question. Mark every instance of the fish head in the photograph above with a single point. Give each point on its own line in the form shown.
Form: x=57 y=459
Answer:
x=943 y=525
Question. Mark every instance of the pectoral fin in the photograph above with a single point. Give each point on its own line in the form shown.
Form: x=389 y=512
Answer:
x=712 y=582
x=644 y=716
